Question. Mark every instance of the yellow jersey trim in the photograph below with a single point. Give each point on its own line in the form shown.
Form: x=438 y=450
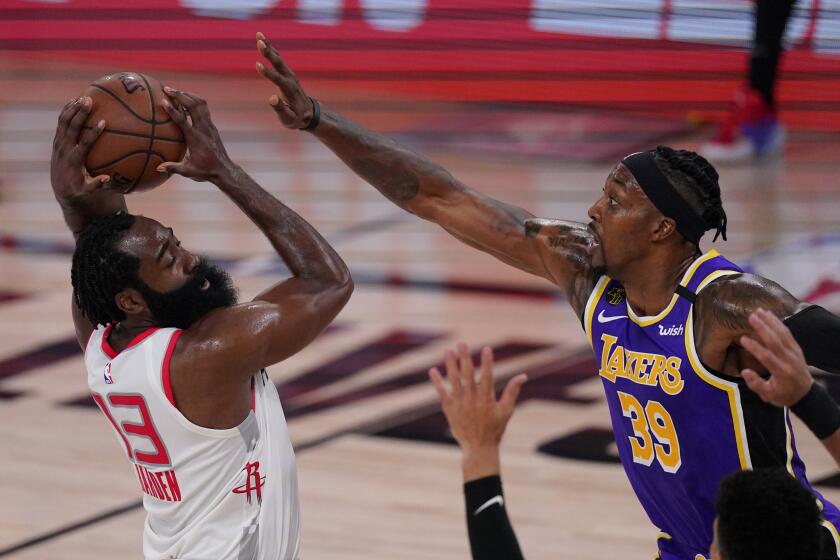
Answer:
x=731 y=389
x=647 y=321
x=834 y=535
x=788 y=445
x=591 y=304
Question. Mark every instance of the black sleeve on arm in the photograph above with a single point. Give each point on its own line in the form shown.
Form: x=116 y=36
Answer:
x=490 y=531
x=818 y=333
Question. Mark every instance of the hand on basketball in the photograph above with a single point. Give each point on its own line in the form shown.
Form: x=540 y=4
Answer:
x=206 y=158
x=72 y=142
x=476 y=418
x=292 y=105
x=779 y=352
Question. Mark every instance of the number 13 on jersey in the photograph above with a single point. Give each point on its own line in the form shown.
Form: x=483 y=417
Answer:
x=651 y=422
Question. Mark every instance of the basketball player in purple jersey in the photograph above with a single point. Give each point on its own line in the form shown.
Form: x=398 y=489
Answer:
x=790 y=527
x=664 y=319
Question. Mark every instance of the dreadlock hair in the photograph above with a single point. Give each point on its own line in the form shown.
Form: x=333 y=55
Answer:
x=100 y=270
x=696 y=180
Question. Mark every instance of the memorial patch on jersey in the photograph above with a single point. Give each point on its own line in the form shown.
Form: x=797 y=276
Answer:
x=644 y=368
x=615 y=296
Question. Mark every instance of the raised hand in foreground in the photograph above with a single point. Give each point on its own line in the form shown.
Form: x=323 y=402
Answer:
x=779 y=352
x=476 y=418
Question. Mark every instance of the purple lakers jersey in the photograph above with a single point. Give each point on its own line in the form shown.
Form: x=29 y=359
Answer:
x=679 y=426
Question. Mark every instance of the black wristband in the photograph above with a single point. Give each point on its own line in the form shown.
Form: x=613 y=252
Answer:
x=479 y=491
x=316 y=116
x=488 y=526
x=818 y=411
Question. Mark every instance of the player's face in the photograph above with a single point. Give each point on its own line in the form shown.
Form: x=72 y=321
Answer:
x=621 y=218
x=177 y=286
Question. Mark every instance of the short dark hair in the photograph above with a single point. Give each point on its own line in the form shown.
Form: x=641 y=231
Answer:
x=767 y=514
x=696 y=180
x=100 y=270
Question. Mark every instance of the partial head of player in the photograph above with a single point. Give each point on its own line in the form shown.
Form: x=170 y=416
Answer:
x=133 y=267
x=654 y=201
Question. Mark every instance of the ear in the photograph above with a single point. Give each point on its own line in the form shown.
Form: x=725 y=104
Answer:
x=663 y=229
x=130 y=302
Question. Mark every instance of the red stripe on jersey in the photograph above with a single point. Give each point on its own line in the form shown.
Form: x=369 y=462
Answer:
x=167 y=385
x=111 y=353
x=101 y=404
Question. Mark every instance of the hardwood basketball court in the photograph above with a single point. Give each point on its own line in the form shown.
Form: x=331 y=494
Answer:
x=377 y=478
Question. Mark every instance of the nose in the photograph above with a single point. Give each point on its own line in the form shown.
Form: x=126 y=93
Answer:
x=594 y=211
x=192 y=263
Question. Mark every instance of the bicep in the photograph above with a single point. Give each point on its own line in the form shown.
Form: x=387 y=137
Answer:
x=728 y=302
x=557 y=250
x=724 y=308
x=492 y=226
x=248 y=337
x=502 y=230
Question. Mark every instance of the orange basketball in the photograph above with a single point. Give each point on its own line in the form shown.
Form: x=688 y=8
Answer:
x=139 y=135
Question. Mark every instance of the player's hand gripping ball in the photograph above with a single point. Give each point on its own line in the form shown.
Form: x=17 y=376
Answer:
x=139 y=134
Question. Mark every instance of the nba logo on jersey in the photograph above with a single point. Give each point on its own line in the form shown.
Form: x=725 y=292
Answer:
x=107 y=375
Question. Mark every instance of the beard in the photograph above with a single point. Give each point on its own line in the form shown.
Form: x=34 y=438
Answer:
x=180 y=308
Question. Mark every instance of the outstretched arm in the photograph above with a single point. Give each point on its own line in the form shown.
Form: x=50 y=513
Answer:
x=558 y=251
x=82 y=198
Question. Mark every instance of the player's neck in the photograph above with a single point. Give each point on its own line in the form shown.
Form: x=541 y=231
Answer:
x=650 y=283
x=126 y=331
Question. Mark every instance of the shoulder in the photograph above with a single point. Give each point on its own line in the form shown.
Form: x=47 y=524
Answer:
x=224 y=327
x=729 y=300
x=570 y=253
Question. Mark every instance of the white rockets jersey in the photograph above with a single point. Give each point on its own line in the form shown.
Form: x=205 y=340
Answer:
x=208 y=494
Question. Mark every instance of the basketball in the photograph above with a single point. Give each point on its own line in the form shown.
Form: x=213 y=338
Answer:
x=139 y=135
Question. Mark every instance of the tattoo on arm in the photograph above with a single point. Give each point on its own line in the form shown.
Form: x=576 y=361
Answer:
x=569 y=243
x=727 y=303
x=399 y=173
x=426 y=189
x=390 y=176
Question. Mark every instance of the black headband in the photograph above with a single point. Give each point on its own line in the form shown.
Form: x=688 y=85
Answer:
x=662 y=194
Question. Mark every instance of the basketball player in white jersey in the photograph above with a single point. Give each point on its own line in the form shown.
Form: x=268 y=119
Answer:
x=176 y=365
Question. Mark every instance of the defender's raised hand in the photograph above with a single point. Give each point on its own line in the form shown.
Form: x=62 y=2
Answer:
x=292 y=105
x=206 y=158
x=69 y=177
x=779 y=352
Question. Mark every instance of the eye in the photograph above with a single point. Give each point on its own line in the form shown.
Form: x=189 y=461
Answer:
x=613 y=202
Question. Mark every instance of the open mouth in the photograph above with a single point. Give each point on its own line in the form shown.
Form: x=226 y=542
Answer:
x=591 y=227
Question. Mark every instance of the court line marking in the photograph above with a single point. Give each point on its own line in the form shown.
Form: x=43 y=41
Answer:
x=576 y=355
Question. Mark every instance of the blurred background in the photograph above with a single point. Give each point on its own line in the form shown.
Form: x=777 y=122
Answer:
x=530 y=101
